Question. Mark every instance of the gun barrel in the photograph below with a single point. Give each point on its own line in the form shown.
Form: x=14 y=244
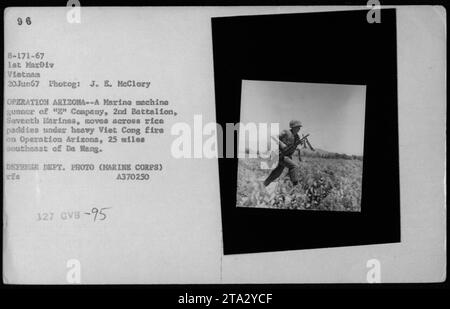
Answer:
x=291 y=147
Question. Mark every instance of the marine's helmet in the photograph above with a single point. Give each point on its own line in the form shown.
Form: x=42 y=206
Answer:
x=294 y=123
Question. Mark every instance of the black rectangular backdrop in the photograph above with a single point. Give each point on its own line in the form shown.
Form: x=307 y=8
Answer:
x=329 y=47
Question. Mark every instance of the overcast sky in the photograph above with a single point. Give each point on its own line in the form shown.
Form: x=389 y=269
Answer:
x=332 y=114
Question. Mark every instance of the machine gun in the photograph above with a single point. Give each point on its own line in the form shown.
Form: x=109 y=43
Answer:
x=307 y=142
x=292 y=147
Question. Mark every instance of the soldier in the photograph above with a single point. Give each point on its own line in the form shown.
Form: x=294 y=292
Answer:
x=287 y=138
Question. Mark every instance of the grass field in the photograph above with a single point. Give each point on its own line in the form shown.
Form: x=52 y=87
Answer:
x=324 y=184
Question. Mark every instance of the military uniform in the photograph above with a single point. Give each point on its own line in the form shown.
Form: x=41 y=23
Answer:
x=288 y=138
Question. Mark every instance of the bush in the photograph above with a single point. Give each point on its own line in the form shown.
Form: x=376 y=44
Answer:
x=340 y=189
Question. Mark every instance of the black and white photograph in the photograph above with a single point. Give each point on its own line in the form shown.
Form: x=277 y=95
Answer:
x=319 y=161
